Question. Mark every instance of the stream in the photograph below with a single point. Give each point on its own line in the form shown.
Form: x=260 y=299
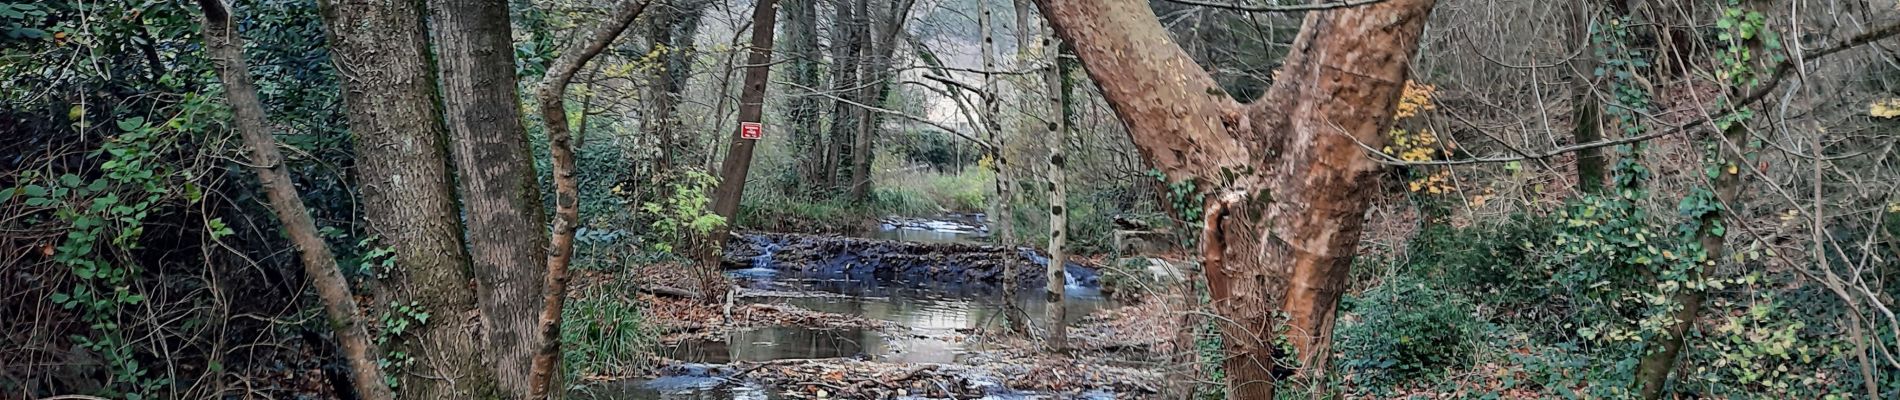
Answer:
x=933 y=317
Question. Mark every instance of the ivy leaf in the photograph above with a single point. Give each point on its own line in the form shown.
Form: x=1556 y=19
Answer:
x=131 y=124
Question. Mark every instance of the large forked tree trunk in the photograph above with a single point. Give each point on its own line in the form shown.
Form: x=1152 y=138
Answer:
x=738 y=162
x=1287 y=176
x=501 y=200
x=546 y=366
x=352 y=334
x=389 y=91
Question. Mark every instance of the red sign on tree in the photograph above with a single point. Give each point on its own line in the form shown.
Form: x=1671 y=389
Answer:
x=751 y=130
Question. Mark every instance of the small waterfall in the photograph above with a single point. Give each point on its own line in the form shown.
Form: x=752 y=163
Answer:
x=762 y=264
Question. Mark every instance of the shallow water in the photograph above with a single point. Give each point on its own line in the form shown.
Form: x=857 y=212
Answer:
x=934 y=321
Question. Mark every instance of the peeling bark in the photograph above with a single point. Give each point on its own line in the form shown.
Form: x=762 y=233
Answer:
x=546 y=365
x=1292 y=161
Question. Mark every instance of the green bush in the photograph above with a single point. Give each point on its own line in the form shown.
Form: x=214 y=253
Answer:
x=1508 y=264
x=1406 y=329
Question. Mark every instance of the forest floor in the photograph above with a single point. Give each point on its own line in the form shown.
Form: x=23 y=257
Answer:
x=839 y=317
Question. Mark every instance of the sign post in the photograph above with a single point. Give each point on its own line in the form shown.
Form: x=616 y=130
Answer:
x=751 y=131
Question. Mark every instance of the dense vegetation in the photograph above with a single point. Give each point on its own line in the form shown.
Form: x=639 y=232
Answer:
x=1526 y=199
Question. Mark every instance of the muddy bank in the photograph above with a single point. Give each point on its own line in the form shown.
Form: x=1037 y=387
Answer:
x=962 y=265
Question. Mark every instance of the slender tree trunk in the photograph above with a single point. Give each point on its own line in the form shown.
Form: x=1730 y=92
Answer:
x=1001 y=220
x=226 y=49
x=1587 y=117
x=1287 y=181
x=1058 y=193
x=501 y=198
x=546 y=366
x=738 y=162
x=389 y=90
x=1658 y=363
x=801 y=44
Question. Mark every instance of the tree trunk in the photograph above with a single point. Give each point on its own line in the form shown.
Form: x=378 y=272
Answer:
x=1587 y=116
x=226 y=49
x=501 y=198
x=546 y=365
x=801 y=44
x=1000 y=214
x=738 y=162
x=876 y=89
x=670 y=31
x=390 y=94
x=1286 y=177
x=1058 y=132
x=1653 y=372
x=847 y=46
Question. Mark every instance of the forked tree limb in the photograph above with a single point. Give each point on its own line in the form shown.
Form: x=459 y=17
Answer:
x=551 y=96
x=226 y=49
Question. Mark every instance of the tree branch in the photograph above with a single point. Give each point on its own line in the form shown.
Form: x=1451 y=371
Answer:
x=1237 y=6
x=1781 y=72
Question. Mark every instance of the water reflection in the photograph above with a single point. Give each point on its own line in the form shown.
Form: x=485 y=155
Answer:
x=781 y=343
x=931 y=310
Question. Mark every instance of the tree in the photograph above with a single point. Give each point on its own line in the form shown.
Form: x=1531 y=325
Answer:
x=669 y=32
x=1001 y=218
x=507 y=237
x=1057 y=276
x=390 y=95
x=1287 y=176
x=801 y=43
x=877 y=88
x=847 y=45
x=738 y=161
x=1741 y=72
x=226 y=49
x=567 y=214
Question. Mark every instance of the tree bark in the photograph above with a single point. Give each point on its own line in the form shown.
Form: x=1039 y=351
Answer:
x=226 y=49
x=495 y=174
x=670 y=31
x=1287 y=173
x=738 y=161
x=546 y=366
x=1000 y=218
x=1057 y=276
x=876 y=89
x=801 y=44
x=1587 y=116
x=1657 y=364
x=382 y=52
x=847 y=46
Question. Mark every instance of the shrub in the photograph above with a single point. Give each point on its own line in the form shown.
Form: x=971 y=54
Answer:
x=1406 y=329
x=606 y=333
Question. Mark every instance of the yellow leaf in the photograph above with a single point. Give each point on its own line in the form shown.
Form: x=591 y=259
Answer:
x=1889 y=108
